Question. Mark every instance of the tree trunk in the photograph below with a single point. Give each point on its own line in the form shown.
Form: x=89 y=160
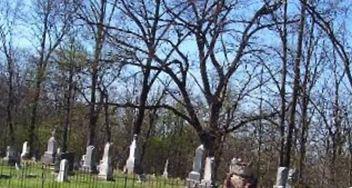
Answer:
x=213 y=143
x=296 y=87
x=107 y=117
x=283 y=36
x=93 y=116
x=68 y=109
x=304 y=136
x=35 y=103
x=10 y=103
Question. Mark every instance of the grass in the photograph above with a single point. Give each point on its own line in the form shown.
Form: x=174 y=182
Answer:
x=35 y=176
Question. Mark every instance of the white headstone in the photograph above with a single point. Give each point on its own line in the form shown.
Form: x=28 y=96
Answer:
x=50 y=154
x=105 y=167
x=165 y=173
x=281 y=177
x=194 y=176
x=10 y=155
x=25 y=151
x=89 y=164
x=131 y=158
x=206 y=181
x=63 y=175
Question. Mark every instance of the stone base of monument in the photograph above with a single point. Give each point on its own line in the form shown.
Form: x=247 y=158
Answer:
x=194 y=176
x=192 y=183
x=205 y=184
x=89 y=167
x=69 y=157
x=25 y=156
x=105 y=176
x=105 y=171
x=193 y=179
x=48 y=158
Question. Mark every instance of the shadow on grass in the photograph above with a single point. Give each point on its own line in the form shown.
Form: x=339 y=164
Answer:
x=31 y=176
x=5 y=177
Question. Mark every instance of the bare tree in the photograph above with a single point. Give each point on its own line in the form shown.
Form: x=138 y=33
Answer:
x=7 y=30
x=95 y=15
x=53 y=21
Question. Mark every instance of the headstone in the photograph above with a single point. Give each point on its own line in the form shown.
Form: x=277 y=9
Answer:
x=193 y=179
x=63 y=173
x=25 y=151
x=89 y=164
x=130 y=163
x=206 y=181
x=60 y=156
x=105 y=167
x=281 y=178
x=165 y=173
x=57 y=160
x=292 y=178
x=50 y=154
x=10 y=157
x=17 y=166
x=83 y=159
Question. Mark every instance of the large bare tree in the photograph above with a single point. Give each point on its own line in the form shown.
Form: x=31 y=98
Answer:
x=52 y=21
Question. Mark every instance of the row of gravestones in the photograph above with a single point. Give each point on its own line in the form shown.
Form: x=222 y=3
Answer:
x=237 y=168
x=105 y=167
x=64 y=162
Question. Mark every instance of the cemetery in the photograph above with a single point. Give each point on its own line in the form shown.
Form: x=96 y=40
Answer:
x=175 y=93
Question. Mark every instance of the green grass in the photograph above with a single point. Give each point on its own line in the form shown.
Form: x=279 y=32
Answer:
x=34 y=176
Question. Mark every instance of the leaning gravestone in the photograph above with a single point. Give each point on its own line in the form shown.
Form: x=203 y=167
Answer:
x=105 y=167
x=89 y=164
x=25 y=151
x=281 y=178
x=165 y=173
x=130 y=163
x=206 y=181
x=10 y=157
x=63 y=173
x=193 y=179
x=50 y=154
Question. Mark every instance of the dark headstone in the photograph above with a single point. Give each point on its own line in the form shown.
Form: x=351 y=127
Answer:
x=11 y=156
x=70 y=157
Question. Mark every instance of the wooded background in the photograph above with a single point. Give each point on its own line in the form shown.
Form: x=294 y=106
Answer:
x=268 y=81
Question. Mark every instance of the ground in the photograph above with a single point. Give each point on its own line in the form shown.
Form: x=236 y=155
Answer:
x=36 y=176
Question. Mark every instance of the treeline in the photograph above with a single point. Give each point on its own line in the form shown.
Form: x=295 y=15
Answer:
x=268 y=81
